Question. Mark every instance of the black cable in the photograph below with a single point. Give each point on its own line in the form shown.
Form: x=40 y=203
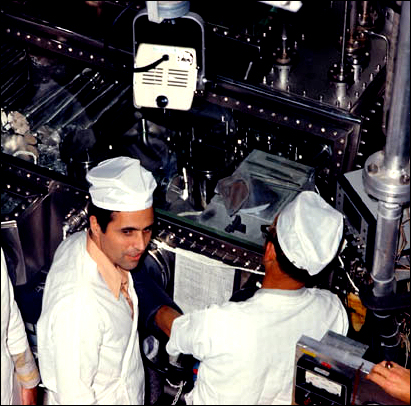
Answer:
x=152 y=65
x=109 y=31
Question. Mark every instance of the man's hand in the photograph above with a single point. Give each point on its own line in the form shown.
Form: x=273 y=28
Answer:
x=394 y=380
x=28 y=396
x=164 y=318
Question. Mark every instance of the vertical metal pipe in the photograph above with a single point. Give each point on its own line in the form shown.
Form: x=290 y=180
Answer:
x=392 y=174
x=365 y=12
x=343 y=41
x=397 y=146
x=386 y=239
x=353 y=19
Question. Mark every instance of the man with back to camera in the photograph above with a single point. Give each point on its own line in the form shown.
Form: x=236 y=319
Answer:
x=88 y=342
x=247 y=349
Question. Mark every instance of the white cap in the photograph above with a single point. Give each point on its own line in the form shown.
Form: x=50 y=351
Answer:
x=309 y=232
x=121 y=184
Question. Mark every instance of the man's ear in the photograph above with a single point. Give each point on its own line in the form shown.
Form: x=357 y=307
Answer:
x=94 y=226
x=269 y=254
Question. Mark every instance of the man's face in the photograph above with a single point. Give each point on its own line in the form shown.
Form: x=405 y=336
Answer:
x=126 y=236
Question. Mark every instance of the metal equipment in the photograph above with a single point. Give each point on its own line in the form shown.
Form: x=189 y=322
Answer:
x=297 y=95
x=332 y=371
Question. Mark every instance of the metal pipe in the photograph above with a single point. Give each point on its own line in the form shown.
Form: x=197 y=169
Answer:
x=66 y=103
x=365 y=12
x=397 y=146
x=83 y=109
x=353 y=19
x=386 y=239
x=389 y=338
x=386 y=177
x=108 y=107
x=53 y=94
x=343 y=41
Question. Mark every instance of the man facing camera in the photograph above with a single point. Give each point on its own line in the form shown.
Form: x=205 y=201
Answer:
x=88 y=342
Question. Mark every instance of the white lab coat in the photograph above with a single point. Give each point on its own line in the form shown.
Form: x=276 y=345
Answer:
x=87 y=342
x=247 y=349
x=13 y=336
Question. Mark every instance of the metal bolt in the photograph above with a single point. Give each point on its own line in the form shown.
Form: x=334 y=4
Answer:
x=405 y=179
x=372 y=168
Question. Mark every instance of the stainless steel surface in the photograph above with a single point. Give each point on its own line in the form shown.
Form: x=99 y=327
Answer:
x=384 y=184
x=386 y=240
x=397 y=149
x=386 y=175
x=342 y=362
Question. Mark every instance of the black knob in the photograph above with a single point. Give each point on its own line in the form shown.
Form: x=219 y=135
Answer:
x=162 y=101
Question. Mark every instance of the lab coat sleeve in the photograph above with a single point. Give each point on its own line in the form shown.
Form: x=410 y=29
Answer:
x=77 y=337
x=190 y=334
x=16 y=334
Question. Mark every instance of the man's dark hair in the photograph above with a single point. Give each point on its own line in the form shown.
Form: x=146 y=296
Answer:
x=286 y=265
x=103 y=216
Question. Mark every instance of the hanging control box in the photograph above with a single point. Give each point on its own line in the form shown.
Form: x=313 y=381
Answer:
x=170 y=84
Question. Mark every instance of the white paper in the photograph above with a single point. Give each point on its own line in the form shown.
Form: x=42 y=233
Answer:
x=200 y=281
x=323 y=383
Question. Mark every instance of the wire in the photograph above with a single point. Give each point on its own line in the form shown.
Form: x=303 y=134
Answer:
x=152 y=65
x=404 y=240
x=352 y=282
x=348 y=276
x=180 y=387
x=109 y=31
